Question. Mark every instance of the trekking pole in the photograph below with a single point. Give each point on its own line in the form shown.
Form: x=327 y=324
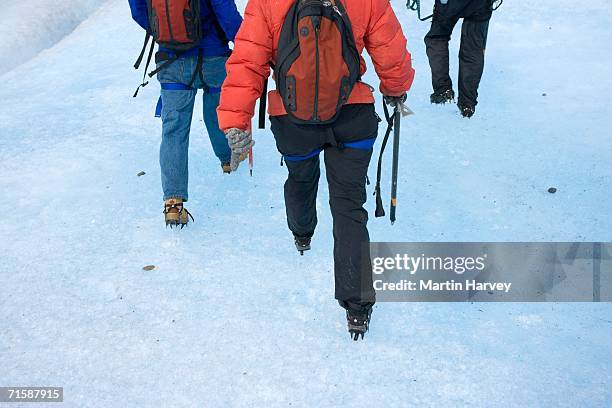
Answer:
x=396 y=140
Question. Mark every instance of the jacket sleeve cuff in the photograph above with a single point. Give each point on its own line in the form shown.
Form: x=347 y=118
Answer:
x=228 y=120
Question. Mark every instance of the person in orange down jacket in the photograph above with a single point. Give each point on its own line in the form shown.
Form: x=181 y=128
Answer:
x=320 y=104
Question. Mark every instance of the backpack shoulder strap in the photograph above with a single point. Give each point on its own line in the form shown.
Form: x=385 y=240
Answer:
x=262 y=105
x=142 y=52
x=149 y=57
x=263 y=101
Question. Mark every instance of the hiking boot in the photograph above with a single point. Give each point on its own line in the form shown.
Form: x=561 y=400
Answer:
x=442 y=97
x=227 y=168
x=302 y=243
x=175 y=214
x=358 y=320
x=467 y=111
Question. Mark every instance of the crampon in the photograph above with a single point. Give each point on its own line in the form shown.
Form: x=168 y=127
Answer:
x=441 y=98
x=302 y=244
x=358 y=322
x=175 y=214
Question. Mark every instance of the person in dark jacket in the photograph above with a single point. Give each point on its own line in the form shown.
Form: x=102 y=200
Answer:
x=179 y=85
x=476 y=15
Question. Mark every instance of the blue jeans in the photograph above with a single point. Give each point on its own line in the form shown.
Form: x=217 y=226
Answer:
x=176 y=115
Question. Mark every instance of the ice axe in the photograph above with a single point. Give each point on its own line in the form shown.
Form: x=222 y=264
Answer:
x=415 y=5
x=393 y=124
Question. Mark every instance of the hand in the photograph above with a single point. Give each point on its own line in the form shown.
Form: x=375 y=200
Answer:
x=398 y=103
x=240 y=142
x=395 y=100
x=236 y=159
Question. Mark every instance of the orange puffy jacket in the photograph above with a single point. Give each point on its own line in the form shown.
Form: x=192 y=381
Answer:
x=375 y=27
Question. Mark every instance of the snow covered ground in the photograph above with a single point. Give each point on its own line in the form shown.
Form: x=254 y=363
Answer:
x=29 y=26
x=231 y=316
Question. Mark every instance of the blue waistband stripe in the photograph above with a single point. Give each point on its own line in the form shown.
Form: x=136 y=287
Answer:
x=175 y=86
x=365 y=144
x=293 y=158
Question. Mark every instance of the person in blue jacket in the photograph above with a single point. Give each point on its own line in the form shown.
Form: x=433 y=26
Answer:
x=179 y=85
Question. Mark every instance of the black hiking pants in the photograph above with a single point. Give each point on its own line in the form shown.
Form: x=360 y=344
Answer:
x=476 y=15
x=346 y=169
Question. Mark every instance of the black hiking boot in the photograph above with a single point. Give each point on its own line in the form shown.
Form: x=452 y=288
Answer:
x=302 y=243
x=441 y=98
x=357 y=317
x=358 y=321
x=467 y=111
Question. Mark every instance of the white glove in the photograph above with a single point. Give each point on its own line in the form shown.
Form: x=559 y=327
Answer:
x=240 y=142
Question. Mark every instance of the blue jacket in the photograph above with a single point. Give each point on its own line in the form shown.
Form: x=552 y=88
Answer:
x=220 y=23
